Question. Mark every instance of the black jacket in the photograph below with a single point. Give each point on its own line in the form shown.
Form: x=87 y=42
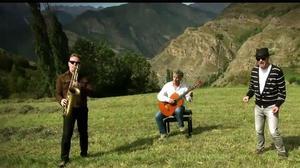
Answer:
x=274 y=91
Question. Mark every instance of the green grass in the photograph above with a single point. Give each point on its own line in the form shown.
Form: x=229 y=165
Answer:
x=123 y=133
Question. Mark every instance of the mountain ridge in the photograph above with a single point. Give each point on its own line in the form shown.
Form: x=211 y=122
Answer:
x=134 y=29
x=134 y=33
x=222 y=50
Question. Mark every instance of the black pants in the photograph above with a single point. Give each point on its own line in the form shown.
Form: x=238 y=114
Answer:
x=81 y=115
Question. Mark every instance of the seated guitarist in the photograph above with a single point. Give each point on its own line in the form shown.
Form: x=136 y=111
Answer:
x=174 y=86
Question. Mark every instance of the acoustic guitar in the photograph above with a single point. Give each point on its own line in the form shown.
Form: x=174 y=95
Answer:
x=168 y=109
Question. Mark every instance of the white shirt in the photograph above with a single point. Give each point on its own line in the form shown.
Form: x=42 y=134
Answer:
x=263 y=75
x=168 y=89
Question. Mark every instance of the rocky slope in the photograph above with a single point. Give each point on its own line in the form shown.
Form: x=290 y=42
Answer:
x=222 y=51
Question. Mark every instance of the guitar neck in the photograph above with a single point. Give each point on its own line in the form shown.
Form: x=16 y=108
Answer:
x=183 y=94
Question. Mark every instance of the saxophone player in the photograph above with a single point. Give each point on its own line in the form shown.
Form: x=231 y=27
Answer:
x=79 y=108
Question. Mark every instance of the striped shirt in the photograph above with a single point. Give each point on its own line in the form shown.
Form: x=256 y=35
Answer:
x=274 y=91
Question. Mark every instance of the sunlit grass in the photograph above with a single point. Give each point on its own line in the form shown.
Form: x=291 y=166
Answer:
x=123 y=133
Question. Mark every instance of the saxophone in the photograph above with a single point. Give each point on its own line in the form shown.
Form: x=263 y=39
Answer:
x=73 y=93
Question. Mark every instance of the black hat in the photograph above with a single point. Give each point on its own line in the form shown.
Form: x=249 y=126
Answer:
x=262 y=53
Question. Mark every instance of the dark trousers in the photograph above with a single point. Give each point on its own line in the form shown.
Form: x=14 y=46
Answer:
x=159 y=117
x=81 y=115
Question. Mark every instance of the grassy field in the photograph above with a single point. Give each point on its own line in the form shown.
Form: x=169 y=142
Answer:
x=123 y=133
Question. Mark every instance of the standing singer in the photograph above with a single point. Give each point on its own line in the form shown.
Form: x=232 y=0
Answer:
x=268 y=85
x=78 y=110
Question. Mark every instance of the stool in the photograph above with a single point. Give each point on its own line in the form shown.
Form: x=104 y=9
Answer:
x=187 y=116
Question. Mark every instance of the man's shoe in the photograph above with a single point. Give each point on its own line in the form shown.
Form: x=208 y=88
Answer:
x=181 y=129
x=162 y=136
x=283 y=154
x=62 y=163
x=259 y=151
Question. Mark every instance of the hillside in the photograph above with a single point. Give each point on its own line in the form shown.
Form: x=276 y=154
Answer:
x=73 y=10
x=142 y=27
x=15 y=32
x=66 y=14
x=222 y=50
x=215 y=8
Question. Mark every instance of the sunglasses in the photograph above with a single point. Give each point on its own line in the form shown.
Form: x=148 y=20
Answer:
x=260 y=58
x=73 y=62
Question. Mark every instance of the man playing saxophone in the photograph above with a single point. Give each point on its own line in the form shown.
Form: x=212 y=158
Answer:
x=71 y=93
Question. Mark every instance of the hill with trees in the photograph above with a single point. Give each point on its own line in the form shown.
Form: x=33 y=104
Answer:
x=145 y=28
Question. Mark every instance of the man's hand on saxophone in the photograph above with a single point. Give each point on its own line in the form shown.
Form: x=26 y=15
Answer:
x=63 y=102
x=76 y=84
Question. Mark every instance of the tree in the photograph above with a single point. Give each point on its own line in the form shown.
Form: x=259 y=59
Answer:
x=140 y=73
x=87 y=50
x=104 y=68
x=111 y=74
x=16 y=81
x=168 y=75
x=58 y=42
x=45 y=61
x=6 y=61
x=4 y=91
x=152 y=85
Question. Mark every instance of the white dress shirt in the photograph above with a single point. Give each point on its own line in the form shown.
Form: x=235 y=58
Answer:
x=168 y=89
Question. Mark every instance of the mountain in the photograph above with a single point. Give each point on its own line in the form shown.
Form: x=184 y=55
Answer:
x=63 y=17
x=15 y=31
x=66 y=14
x=215 y=8
x=222 y=51
x=74 y=10
x=143 y=27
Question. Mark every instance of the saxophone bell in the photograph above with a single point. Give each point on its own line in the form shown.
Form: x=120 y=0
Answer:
x=74 y=90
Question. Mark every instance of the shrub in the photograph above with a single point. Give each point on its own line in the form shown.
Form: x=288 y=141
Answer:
x=292 y=80
x=246 y=34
